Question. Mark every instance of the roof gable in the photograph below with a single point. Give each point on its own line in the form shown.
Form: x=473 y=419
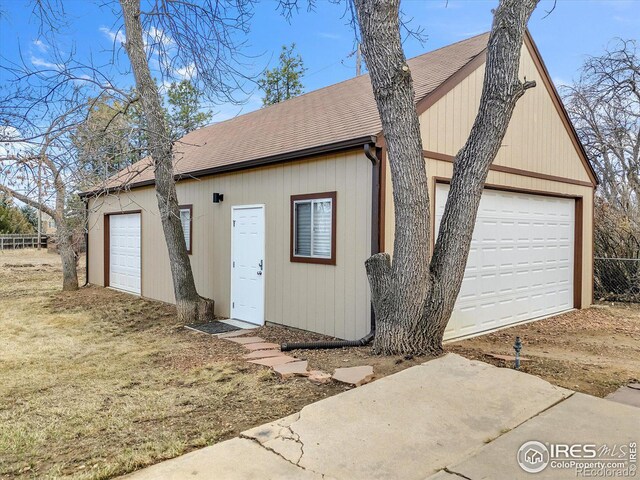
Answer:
x=446 y=126
x=559 y=106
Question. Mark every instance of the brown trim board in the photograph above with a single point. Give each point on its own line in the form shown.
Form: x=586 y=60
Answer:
x=383 y=200
x=577 y=254
x=593 y=241
x=302 y=154
x=577 y=234
x=312 y=196
x=450 y=83
x=514 y=171
x=106 y=264
x=107 y=243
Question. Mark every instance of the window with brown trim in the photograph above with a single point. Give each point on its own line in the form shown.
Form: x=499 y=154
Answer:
x=313 y=228
x=186 y=218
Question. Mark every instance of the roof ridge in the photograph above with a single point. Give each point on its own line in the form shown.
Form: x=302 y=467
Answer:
x=367 y=74
x=452 y=44
x=346 y=80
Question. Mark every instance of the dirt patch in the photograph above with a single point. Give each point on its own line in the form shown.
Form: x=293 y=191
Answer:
x=329 y=360
x=97 y=383
x=593 y=351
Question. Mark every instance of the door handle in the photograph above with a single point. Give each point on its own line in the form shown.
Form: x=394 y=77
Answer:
x=260 y=272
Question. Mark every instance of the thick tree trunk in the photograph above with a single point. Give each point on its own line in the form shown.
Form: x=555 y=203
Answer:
x=190 y=305
x=64 y=236
x=398 y=290
x=69 y=260
x=413 y=297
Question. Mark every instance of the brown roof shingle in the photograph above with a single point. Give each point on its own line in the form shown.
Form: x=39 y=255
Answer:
x=340 y=112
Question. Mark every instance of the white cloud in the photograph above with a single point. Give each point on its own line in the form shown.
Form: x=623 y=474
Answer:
x=85 y=80
x=9 y=142
x=186 y=73
x=157 y=36
x=113 y=36
x=330 y=36
x=560 y=82
x=40 y=45
x=39 y=62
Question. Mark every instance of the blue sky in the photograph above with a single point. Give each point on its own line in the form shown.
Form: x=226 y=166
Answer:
x=574 y=29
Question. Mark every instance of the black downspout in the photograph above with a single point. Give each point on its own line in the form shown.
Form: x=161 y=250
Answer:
x=370 y=152
x=86 y=241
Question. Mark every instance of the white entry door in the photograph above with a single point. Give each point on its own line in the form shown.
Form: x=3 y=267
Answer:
x=520 y=264
x=124 y=252
x=247 y=263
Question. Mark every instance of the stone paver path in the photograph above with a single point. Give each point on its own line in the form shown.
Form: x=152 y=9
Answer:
x=273 y=361
x=269 y=355
x=236 y=333
x=262 y=354
x=354 y=375
x=261 y=346
x=293 y=369
x=244 y=340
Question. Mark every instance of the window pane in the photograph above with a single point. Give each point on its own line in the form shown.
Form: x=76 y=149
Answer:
x=303 y=229
x=185 y=218
x=322 y=228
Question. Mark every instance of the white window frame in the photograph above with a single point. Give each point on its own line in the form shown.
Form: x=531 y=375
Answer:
x=188 y=208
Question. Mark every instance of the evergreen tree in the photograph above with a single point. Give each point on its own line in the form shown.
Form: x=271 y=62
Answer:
x=285 y=80
x=184 y=112
x=106 y=141
x=30 y=214
x=12 y=220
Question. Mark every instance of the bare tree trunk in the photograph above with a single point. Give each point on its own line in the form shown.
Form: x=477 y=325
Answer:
x=412 y=297
x=69 y=258
x=64 y=235
x=189 y=304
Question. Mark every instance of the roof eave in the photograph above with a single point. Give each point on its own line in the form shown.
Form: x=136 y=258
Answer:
x=254 y=163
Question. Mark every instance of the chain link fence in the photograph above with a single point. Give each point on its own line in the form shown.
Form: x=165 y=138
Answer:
x=617 y=279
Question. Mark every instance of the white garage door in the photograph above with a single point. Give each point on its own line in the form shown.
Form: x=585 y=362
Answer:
x=520 y=264
x=124 y=252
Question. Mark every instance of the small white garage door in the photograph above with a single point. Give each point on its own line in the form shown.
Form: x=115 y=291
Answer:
x=124 y=252
x=520 y=264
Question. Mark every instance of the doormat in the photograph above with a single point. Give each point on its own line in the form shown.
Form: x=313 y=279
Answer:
x=213 y=327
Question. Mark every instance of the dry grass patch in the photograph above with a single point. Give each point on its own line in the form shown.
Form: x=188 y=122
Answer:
x=97 y=383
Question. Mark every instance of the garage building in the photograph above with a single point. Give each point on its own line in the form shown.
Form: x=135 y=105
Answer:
x=282 y=206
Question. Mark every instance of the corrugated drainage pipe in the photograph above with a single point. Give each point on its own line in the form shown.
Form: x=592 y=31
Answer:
x=285 y=347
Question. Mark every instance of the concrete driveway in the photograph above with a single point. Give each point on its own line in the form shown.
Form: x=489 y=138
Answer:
x=449 y=418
